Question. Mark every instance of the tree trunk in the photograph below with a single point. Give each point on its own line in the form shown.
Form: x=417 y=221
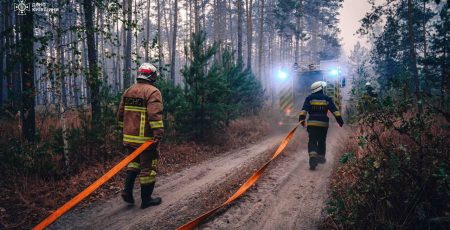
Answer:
x=137 y=58
x=92 y=80
x=445 y=73
x=239 y=30
x=174 y=41
x=196 y=18
x=169 y=33
x=85 y=95
x=413 y=58
x=298 y=32
x=2 y=53
x=314 y=39
x=415 y=77
x=169 y=45
x=147 y=30
x=249 y=4
x=27 y=72
x=104 y=63
x=127 y=47
x=424 y=34
x=160 y=48
x=302 y=49
x=216 y=29
x=7 y=54
x=204 y=14
x=270 y=57
x=230 y=26
x=119 y=79
x=60 y=95
x=17 y=67
x=261 y=38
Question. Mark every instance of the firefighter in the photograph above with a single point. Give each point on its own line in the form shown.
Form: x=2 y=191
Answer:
x=317 y=105
x=368 y=101
x=140 y=116
x=370 y=90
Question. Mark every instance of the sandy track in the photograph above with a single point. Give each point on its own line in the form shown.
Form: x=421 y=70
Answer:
x=180 y=193
x=289 y=196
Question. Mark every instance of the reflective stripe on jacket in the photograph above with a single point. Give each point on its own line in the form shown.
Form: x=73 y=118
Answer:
x=140 y=114
x=317 y=106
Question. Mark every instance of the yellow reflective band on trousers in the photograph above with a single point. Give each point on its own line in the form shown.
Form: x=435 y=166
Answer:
x=318 y=123
x=319 y=102
x=337 y=113
x=156 y=124
x=148 y=179
x=134 y=165
x=303 y=112
x=135 y=108
x=135 y=139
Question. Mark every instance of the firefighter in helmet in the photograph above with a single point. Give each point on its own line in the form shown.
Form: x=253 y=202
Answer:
x=370 y=90
x=317 y=105
x=140 y=116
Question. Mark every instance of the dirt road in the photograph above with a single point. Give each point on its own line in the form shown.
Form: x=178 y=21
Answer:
x=289 y=195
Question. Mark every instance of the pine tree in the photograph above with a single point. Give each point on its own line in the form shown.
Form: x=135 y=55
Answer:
x=204 y=90
x=245 y=95
x=439 y=59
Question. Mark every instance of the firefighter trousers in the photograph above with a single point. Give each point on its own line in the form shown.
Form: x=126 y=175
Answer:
x=145 y=164
x=317 y=139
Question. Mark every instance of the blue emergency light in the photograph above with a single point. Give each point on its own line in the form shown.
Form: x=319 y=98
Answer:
x=281 y=74
x=334 y=72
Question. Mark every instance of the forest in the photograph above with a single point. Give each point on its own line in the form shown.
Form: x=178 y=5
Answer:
x=64 y=65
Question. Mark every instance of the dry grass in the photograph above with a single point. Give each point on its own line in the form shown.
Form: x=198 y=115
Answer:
x=10 y=126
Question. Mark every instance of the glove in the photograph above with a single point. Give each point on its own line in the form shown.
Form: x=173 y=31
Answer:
x=301 y=118
x=302 y=122
x=340 y=121
x=157 y=139
x=158 y=135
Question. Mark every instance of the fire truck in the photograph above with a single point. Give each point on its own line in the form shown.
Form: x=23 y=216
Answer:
x=293 y=85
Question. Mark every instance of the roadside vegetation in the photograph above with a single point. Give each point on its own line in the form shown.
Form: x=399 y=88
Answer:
x=394 y=172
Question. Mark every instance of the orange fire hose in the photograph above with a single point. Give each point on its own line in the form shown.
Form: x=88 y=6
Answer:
x=74 y=201
x=250 y=181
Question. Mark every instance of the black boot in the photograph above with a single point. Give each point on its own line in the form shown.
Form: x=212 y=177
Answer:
x=127 y=193
x=146 y=196
x=322 y=159
x=313 y=160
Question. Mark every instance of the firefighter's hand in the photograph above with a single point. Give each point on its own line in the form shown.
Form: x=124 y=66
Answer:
x=158 y=135
x=340 y=121
x=301 y=118
x=302 y=122
x=157 y=139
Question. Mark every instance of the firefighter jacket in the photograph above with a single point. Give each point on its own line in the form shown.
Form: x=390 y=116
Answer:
x=140 y=114
x=317 y=106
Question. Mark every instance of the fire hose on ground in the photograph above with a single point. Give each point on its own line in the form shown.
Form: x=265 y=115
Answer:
x=191 y=224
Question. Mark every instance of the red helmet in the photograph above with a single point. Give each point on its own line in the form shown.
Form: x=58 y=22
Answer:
x=147 y=72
